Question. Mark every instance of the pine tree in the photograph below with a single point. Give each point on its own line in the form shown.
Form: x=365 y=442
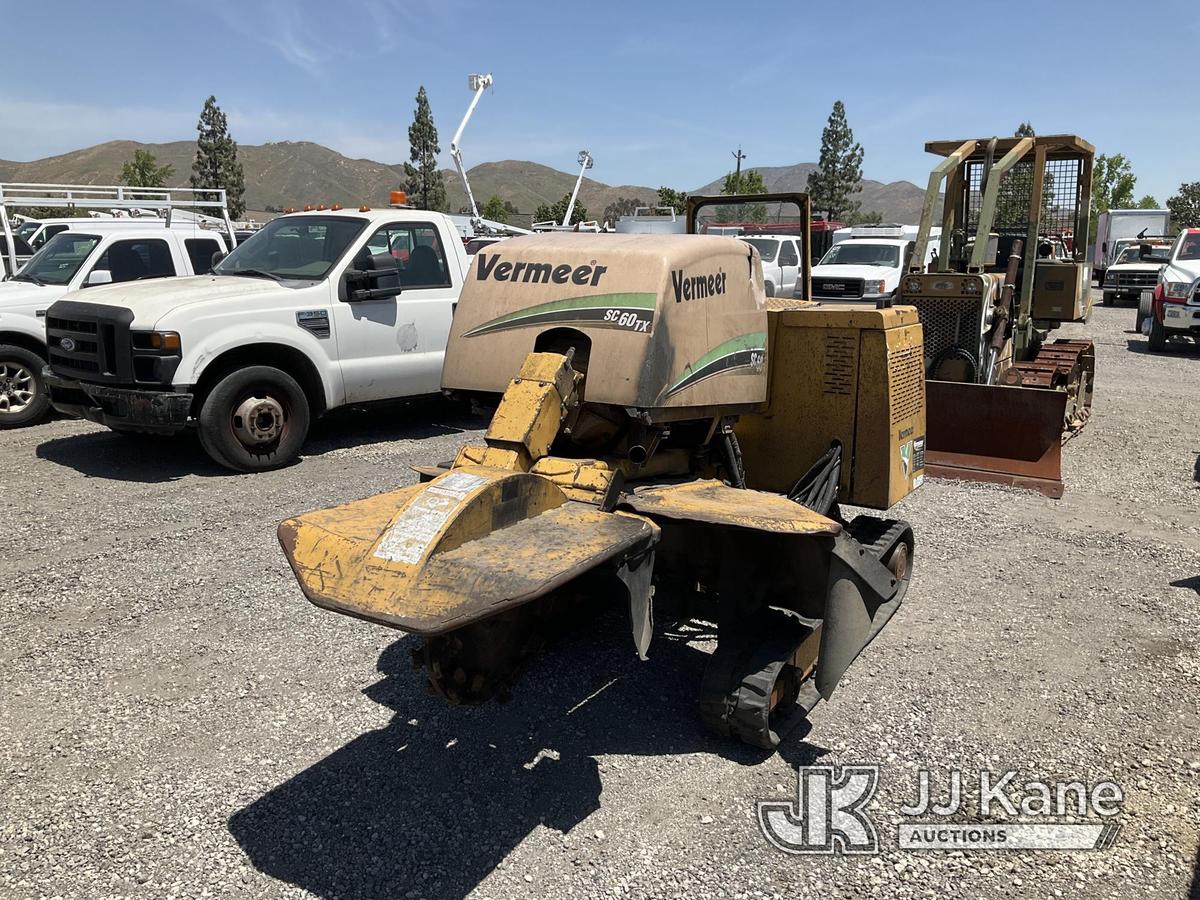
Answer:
x=423 y=181
x=216 y=164
x=144 y=171
x=838 y=175
x=496 y=210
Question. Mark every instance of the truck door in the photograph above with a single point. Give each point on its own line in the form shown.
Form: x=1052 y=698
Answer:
x=135 y=259
x=393 y=347
x=789 y=268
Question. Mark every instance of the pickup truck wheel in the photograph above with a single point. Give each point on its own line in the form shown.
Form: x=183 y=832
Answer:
x=254 y=419
x=770 y=289
x=1158 y=336
x=24 y=399
x=1110 y=298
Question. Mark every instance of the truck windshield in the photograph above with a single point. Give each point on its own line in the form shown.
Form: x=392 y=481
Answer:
x=857 y=253
x=1134 y=255
x=27 y=229
x=766 y=247
x=59 y=259
x=293 y=247
x=1191 y=247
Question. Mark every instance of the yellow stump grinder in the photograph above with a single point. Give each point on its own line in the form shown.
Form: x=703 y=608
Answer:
x=1011 y=267
x=662 y=431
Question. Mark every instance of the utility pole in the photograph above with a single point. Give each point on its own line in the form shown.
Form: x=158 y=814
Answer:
x=737 y=178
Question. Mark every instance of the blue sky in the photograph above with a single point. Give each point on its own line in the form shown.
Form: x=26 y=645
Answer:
x=660 y=92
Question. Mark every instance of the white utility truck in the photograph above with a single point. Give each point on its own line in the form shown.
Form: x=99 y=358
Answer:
x=866 y=261
x=93 y=252
x=1119 y=228
x=1172 y=311
x=317 y=310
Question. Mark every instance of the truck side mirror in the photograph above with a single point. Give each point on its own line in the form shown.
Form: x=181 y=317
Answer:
x=217 y=256
x=371 y=284
x=1104 y=247
x=98 y=276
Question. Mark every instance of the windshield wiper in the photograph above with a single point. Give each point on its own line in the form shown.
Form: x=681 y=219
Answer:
x=25 y=276
x=254 y=273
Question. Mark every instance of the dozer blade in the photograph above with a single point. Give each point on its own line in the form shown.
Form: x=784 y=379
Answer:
x=996 y=433
x=470 y=544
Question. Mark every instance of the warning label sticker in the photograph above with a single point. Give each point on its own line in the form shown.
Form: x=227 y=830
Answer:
x=918 y=454
x=415 y=529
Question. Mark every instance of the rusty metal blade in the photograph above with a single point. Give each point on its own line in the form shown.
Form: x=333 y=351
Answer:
x=996 y=433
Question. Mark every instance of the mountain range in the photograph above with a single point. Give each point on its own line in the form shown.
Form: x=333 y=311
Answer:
x=293 y=173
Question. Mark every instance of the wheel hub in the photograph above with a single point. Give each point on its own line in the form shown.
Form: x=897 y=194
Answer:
x=16 y=388
x=258 y=420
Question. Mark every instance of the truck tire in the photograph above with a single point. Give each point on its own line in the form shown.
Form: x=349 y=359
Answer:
x=1158 y=335
x=1110 y=298
x=254 y=419
x=770 y=288
x=1143 y=313
x=24 y=399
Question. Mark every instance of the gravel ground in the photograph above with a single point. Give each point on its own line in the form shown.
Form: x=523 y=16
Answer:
x=177 y=720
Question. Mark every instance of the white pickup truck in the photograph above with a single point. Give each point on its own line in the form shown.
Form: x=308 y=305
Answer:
x=866 y=262
x=98 y=253
x=780 y=255
x=1133 y=270
x=317 y=310
x=1173 y=311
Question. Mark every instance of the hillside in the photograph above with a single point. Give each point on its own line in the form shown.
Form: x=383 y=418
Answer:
x=899 y=201
x=292 y=173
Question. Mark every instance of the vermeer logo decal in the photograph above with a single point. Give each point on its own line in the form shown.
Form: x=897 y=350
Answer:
x=625 y=312
x=538 y=272
x=697 y=287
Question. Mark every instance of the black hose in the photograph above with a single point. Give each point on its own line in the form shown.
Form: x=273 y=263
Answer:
x=954 y=353
x=733 y=459
x=817 y=488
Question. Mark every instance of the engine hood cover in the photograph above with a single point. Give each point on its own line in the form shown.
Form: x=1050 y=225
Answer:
x=150 y=300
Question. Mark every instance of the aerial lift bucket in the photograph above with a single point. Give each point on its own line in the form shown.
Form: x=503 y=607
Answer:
x=996 y=433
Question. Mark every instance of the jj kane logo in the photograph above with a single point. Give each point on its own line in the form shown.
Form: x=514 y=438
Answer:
x=829 y=813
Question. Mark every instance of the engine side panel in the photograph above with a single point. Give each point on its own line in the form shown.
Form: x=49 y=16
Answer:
x=675 y=322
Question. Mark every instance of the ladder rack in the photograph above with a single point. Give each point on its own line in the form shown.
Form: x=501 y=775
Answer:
x=107 y=197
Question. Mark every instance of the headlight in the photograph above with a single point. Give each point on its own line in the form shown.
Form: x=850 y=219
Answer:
x=1177 y=289
x=874 y=287
x=1110 y=277
x=162 y=341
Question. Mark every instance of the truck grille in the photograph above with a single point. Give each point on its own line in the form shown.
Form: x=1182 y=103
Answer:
x=850 y=288
x=87 y=340
x=1140 y=280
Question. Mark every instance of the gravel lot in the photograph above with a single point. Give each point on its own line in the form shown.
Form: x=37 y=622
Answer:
x=177 y=720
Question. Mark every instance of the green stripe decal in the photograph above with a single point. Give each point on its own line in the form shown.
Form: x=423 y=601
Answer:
x=746 y=351
x=576 y=309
